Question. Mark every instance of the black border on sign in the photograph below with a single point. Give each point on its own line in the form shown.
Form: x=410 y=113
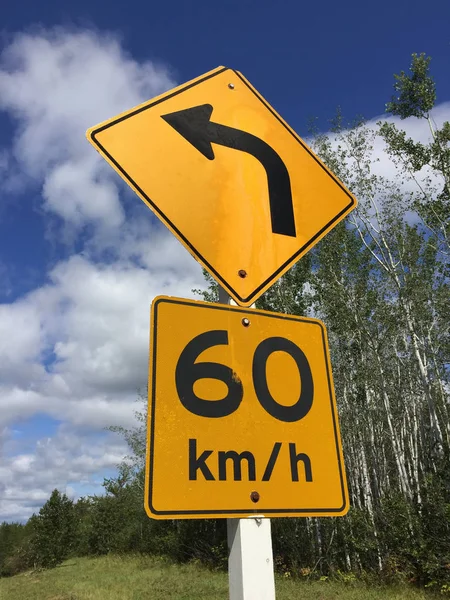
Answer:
x=166 y=220
x=247 y=511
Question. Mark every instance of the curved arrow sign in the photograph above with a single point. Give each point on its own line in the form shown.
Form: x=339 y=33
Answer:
x=195 y=125
x=251 y=225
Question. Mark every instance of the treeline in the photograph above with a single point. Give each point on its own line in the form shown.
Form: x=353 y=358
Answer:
x=380 y=284
x=114 y=522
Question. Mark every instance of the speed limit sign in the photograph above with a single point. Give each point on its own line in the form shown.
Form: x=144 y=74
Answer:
x=242 y=415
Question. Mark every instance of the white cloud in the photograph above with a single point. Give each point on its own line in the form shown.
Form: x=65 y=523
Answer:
x=76 y=349
x=376 y=202
x=69 y=461
x=56 y=85
x=419 y=131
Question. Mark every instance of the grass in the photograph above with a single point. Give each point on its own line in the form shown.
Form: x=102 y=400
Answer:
x=141 y=577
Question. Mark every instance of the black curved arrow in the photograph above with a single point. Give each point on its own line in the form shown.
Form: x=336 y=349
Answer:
x=195 y=126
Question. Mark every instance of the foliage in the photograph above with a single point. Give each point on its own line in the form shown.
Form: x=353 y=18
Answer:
x=416 y=92
x=417 y=96
x=12 y=540
x=53 y=531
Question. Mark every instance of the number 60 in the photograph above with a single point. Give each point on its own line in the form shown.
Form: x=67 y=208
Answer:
x=188 y=371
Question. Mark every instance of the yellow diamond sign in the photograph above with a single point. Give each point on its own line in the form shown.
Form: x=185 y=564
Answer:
x=242 y=415
x=215 y=162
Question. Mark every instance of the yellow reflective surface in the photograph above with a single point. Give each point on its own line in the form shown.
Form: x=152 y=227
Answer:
x=307 y=476
x=219 y=208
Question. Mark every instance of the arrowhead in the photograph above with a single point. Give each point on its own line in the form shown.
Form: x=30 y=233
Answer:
x=193 y=125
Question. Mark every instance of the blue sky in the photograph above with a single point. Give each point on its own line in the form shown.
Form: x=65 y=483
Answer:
x=80 y=257
x=305 y=58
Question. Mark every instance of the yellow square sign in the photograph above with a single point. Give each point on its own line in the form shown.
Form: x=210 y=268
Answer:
x=235 y=184
x=242 y=415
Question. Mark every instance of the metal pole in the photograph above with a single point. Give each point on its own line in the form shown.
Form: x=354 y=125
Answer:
x=250 y=558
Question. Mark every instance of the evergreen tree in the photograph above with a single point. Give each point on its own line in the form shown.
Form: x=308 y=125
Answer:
x=54 y=531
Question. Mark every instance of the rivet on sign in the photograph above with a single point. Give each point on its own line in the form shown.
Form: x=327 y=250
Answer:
x=242 y=273
x=231 y=86
x=254 y=497
x=245 y=322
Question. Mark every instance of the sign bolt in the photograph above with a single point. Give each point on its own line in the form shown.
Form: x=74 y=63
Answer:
x=231 y=86
x=242 y=273
x=254 y=497
x=245 y=322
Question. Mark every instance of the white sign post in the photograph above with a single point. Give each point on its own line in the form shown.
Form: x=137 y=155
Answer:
x=250 y=558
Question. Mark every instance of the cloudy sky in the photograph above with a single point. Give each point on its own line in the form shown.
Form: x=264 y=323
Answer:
x=81 y=257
